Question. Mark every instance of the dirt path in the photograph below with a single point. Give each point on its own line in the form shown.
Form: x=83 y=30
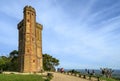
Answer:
x=64 y=77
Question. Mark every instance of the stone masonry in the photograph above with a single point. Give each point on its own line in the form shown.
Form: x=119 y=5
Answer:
x=30 y=42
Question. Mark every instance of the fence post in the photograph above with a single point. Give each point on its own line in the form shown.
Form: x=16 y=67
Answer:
x=79 y=75
x=98 y=78
x=84 y=76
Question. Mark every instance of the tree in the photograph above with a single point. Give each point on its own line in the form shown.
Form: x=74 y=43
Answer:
x=13 y=65
x=49 y=62
x=9 y=63
x=13 y=54
x=4 y=61
x=107 y=72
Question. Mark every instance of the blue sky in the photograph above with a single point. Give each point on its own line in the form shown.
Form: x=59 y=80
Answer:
x=80 y=33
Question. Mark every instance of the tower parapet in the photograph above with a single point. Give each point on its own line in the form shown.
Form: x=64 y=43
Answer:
x=29 y=8
x=20 y=24
x=39 y=26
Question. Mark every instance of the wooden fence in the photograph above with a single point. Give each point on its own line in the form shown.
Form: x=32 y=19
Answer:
x=85 y=76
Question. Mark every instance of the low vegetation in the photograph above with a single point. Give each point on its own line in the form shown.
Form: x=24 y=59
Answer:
x=16 y=77
x=108 y=79
x=49 y=76
x=73 y=71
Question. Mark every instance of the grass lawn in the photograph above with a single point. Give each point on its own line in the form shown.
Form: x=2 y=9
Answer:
x=17 y=77
x=108 y=79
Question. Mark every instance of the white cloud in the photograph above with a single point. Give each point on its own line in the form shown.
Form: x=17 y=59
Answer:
x=64 y=35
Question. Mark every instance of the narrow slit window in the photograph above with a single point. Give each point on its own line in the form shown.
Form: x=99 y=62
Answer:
x=33 y=61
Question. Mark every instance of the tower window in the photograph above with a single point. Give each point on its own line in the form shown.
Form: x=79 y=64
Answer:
x=33 y=61
x=27 y=20
x=28 y=50
x=32 y=39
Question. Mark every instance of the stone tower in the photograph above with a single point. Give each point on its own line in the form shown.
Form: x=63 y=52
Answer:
x=30 y=42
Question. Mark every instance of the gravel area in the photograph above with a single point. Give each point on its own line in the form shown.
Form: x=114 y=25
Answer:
x=64 y=77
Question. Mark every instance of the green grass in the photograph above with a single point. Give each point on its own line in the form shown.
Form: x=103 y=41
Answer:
x=108 y=79
x=16 y=77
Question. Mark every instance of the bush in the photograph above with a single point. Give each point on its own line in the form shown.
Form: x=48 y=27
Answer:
x=49 y=76
x=1 y=72
x=47 y=80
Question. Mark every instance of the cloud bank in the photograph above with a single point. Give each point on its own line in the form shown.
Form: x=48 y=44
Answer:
x=81 y=34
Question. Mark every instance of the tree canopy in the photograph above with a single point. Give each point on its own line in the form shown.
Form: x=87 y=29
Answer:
x=49 y=62
x=10 y=63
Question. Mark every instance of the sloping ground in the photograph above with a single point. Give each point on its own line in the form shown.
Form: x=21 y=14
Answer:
x=18 y=77
x=63 y=77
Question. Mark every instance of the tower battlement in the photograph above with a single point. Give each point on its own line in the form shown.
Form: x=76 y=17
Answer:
x=20 y=24
x=29 y=8
x=39 y=26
